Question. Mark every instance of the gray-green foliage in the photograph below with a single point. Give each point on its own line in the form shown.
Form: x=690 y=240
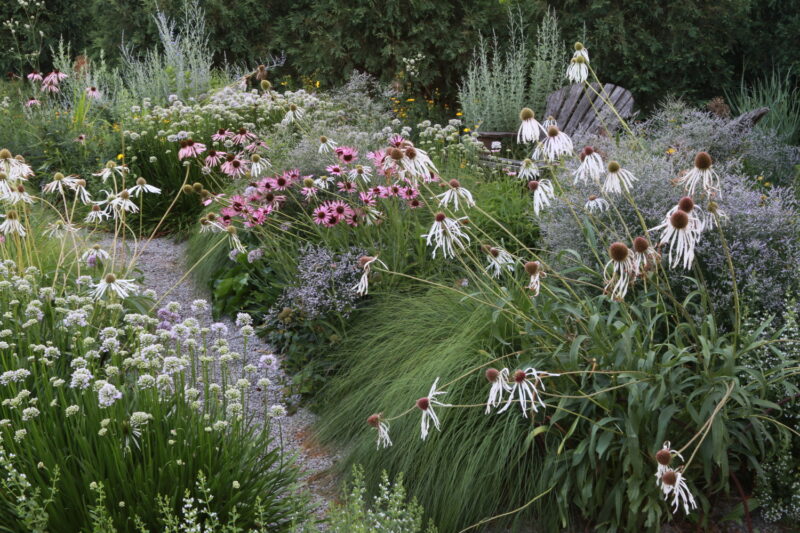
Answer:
x=504 y=78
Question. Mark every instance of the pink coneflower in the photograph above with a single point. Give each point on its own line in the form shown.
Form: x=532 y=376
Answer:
x=414 y=203
x=283 y=182
x=221 y=135
x=49 y=88
x=214 y=158
x=332 y=220
x=320 y=215
x=409 y=193
x=377 y=157
x=32 y=102
x=242 y=136
x=309 y=192
x=346 y=186
x=338 y=208
x=394 y=189
x=336 y=170
x=54 y=77
x=346 y=154
x=93 y=93
x=274 y=200
x=256 y=145
x=34 y=76
x=233 y=166
x=80 y=138
x=189 y=148
x=368 y=198
x=397 y=140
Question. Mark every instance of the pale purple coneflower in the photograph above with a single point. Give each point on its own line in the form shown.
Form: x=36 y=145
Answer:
x=11 y=225
x=455 y=193
x=258 y=165
x=54 y=77
x=581 y=51
x=79 y=186
x=425 y=405
x=446 y=233
x=242 y=136
x=233 y=166
x=578 y=69
x=93 y=93
x=542 y=194
x=51 y=88
x=555 y=144
x=34 y=76
x=529 y=129
x=644 y=257
x=591 y=167
x=190 y=148
x=94 y=253
x=617 y=179
x=294 y=114
x=19 y=195
x=59 y=228
x=80 y=138
x=96 y=214
x=525 y=385
x=527 y=170
x=365 y=262
x=499 y=260
x=32 y=102
x=499 y=386
x=110 y=169
x=534 y=271
x=701 y=175
x=664 y=457
x=382 y=426
x=109 y=283
x=361 y=173
x=59 y=182
x=214 y=158
x=619 y=272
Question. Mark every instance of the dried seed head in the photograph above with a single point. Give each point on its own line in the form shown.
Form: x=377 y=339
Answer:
x=533 y=185
x=11 y=214
x=211 y=217
x=423 y=404
x=702 y=161
x=124 y=194
x=5 y=154
x=669 y=478
x=374 y=420
x=686 y=204
x=96 y=247
x=679 y=219
x=455 y=184
x=663 y=457
x=613 y=166
x=265 y=85
x=111 y=278
x=640 y=244
x=411 y=152
x=519 y=376
x=532 y=267
x=713 y=207
x=364 y=259
x=292 y=107
x=492 y=374
x=197 y=186
x=308 y=182
x=187 y=189
x=592 y=197
x=618 y=252
x=81 y=183
x=553 y=131
x=255 y=158
x=205 y=193
x=396 y=154
x=526 y=114
x=578 y=46
x=141 y=181
x=440 y=217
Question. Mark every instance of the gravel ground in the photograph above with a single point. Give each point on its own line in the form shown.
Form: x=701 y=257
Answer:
x=162 y=264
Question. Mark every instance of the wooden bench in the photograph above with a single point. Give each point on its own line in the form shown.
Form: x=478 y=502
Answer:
x=581 y=110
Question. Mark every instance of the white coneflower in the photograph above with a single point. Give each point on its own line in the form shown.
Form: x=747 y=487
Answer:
x=142 y=187
x=499 y=260
x=617 y=178
x=453 y=194
x=362 y=287
x=326 y=145
x=59 y=182
x=499 y=381
x=58 y=229
x=595 y=204
x=258 y=165
x=664 y=457
x=80 y=191
x=701 y=174
x=645 y=257
x=360 y=173
x=581 y=51
x=446 y=233
x=578 y=69
x=121 y=287
x=110 y=169
x=528 y=170
x=93 y=93
x=425 y=405
x=619 y=272
x=542 y=194
x=15 y=168
x=529 y=130
x=681 y=231
x=12 y=225
x=382 y=426
x=534 y=270
x=709 y=219
x=673 y=482
x=94 y=253
x=233 y=240
x=293 y=114
x=525 y=385
x=323 y=182
x=5 y=185
x=119 y=203
x=555 y=144
x=19 y=195
x=591 y=166
x=415 y=161
x=96 y=214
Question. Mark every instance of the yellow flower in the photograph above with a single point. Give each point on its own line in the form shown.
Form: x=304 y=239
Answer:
x=317 y=84
x=767 y=184
x=459 y=114
x=671 y=150
x=409 y=99
x=467 y=130
x=120 y=156
x=760 y=178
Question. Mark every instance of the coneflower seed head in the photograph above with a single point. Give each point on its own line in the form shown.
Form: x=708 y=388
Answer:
x=686 y=204
x=492 y=374
x=423 y=404
x=58 y=176
x=640 y=244
x=197 y=186
x=613 y=166
x=578 y=46
x=532 y=267
x=533 y=185
x=455 y=184
x=187 y=189
x=702 y=160
x=440 y=217
x=618 y=252
x=663 y=457
x=519 y=376
x=669 y=478
x=5 y=154
x=374 y=420
x=308 y=182
x=111 y=278
x=679 y=219
x=526 y=114
x=552 y=131
x=141 y=181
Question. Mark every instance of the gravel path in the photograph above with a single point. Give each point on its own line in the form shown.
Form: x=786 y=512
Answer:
x=162 y=264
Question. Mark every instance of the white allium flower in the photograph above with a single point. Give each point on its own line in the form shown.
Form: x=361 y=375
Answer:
x=108 y=394
x=81 y=379
x=617 y=178
x=72 y=410
x=425 y=405
x=277 y=411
